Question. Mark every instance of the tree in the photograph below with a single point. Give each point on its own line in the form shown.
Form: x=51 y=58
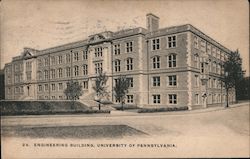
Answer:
x=121 y=89
x=100 y=87
x=233 y=72
x=73 y=91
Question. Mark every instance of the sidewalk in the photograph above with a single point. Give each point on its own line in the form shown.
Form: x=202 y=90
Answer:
x=133 y=112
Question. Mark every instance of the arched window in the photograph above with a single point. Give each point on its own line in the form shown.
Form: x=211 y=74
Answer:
x=172 y=60
x=156 y=62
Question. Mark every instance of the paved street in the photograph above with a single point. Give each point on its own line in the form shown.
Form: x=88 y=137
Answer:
x=215 y=132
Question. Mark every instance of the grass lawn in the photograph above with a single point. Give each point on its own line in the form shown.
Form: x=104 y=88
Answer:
x=80 y=132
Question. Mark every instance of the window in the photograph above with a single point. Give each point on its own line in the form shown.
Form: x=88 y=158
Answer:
x=9 y=90
x=60 y=86
x=129 y=64
x=76 y=70
x=214 y=66
x=196 y=80
x=68 y=58
x=156 y=99
x=68 y=71
x=202 y=67
x=172 y=80
x=172 y=60
x=129 y=47
x=46 y=87
x=40 y=75
x=16 y=78
x=156 y=81
x=53 y=73
x=53 y=60
x=214 y=83
x=98 y=67
x=117 y=49
x=156 y=62
x=76 y=57
x=40 y=63
x=46 y=63
x=213 y=51
x=196 y=42
x=196 y=61
x=28 y=75
x=59 y=59
x=117 y=66
x=60 y=73
x=203 y=46
x=60 y=97
x=21 y=77
x=208 y=48
x=196 y=98
x=210 y=65
x=17 y=90
x=155 y=44
x=171 y=41
x=40 y=88
x=85 y=69
x=85 y=84
x=115 y=80
x=218 y=68
x=53 y=87
x=16 y=68
x=85 y=55
x=28 y=66
x=131 y=82
x=53 y=97
x=21 y=89
x=218 y=53
x=9 y=79
x=172 y=99
x=130 y=98
x=98 y=51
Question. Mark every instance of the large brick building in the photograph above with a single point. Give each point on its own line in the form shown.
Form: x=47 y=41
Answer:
x=177 y=65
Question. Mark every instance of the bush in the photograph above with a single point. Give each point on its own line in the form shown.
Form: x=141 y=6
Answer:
x=152 y=110
x=45 y=108
x=125 y=107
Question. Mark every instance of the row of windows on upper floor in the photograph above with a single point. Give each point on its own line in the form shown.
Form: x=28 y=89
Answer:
x=19 y=67
x=211 y=83
x=19 y=77
x=156 y=63
x=99 y=67
x=129 y=47
x=206 y=47
x=58 y=86
x=211 y=66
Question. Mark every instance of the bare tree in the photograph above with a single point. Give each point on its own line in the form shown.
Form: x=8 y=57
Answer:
x=101 y=88
x=121 y=89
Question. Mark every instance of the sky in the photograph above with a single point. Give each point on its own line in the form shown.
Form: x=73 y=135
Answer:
x=48 y=23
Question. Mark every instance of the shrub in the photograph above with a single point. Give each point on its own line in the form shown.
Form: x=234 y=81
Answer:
x=45 y=108
x=152 y=110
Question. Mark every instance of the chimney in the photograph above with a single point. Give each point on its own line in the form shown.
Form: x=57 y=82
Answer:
x=152 y=22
